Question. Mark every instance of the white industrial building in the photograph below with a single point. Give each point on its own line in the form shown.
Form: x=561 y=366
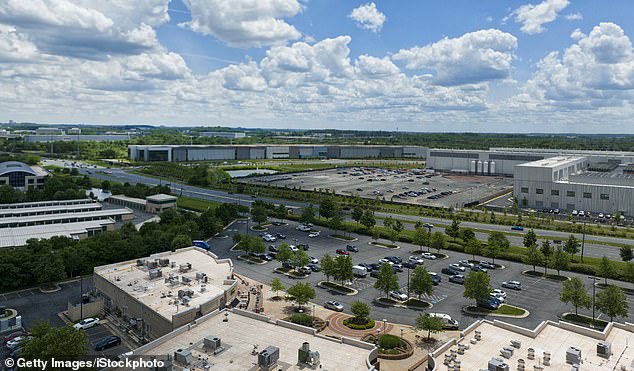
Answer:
x=223 y=134
x=575 y=183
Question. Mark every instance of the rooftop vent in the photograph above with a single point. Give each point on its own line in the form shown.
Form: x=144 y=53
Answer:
x=183 y=356
x=185 y=267
x=155 y=273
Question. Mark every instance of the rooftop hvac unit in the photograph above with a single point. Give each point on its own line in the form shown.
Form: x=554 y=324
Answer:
x=212 y=342
x=185 y=267
x=604 y=349
x=183 y=356
x=186 y=279
x=152 y=265
x=164 y=262
x=497 y=364
x=573 y=356
x=200 y=275
x=155 y=273
x=140 y=262
x=305 y=355
x=203 y=288
x=268 y=357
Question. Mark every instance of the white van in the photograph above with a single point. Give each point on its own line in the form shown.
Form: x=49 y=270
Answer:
x=448 y=322
x=359 y=271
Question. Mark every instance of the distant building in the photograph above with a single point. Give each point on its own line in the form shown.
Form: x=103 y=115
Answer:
x=68 y=138
x=49 y=131
x=165 y=291
x=22 y=176
x=154 y=204
x=74 y=131
x=223 y=134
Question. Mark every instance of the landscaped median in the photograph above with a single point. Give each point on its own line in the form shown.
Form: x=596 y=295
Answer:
x=504 y=310
x=343 y=238
x=585 y=321
x=290 y=272
x=307 y=320
x=390 y=346
x=384 y=245
x=411 y=303
x=337 y=287
x=549 y=276
x=251 y=259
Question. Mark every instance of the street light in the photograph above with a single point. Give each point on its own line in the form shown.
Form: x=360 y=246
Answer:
x=401 y=333
x=583 y=240
x=313 y=314
x=384 y=325
x=594 y=280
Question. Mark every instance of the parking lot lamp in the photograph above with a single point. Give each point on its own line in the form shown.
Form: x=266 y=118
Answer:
x=594 y=279
x=313 y=314
x=583 y=240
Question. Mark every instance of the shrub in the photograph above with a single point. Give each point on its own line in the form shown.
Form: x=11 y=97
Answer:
x=302 y=319
x=349 y=322
x=388 y=341
x=583 y=268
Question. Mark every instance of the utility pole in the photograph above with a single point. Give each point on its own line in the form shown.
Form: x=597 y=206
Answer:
x=408 y=282
x=583 y=242
x=81 y=297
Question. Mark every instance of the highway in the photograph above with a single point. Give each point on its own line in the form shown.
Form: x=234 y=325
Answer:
x=593 y=250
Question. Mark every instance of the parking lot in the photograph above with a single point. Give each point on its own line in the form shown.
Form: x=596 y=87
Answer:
x=539 y=296
x=421 y=187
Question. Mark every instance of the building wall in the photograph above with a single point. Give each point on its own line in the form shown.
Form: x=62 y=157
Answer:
x=154 y=208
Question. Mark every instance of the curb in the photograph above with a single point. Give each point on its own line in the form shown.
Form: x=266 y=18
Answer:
x=399 y=305
x=525 y=273
x=341 y=239
x=383 y=247
x=289 y=275
x=526 y=314
x=241 y=257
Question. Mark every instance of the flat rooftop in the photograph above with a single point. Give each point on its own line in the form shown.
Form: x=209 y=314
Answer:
x=19 y=205
x=18 y=236
x=129 y=199
x=52 y=218
x=554 y=338
x=162 y=296
x=239 y=335
x=553 y=162
x=53 y=209
x=161 y=197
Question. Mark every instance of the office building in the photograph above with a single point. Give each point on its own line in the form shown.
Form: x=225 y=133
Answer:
x=165 y=291
x=71 y=137
x=223 y=134
x=22 y=176
x=154 y=204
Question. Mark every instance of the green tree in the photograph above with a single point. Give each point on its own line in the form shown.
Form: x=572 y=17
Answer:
x=533 y=256
x=386 y=280
x=561 y=260
x=301 y=293
x=277 y=285
x=367 y=220
x=467 y=234
x=343 y=269
x=357 y=214
x=420 y=238
x=546 y=251
x=611 y=301
x=421 y=282
x=473 y=247
x=284 y=253
x=626 y=253
x=58 y=342
x=254 y=245
x=327 y=208
x=281 y=212
x=300 y=258
x=574 y=292
x=49 y=266
x=308 y=214
x=438 y=241
x=477 y=286
x=259 y=214
x=361 y=312
x=606 y=268
x=328 y=266
x=496 y=243
x=530 y=238
x=376 y=234
x=572 y=246
x=336 y=222
x=453 y=230
x=431 y=324
x=181 y=240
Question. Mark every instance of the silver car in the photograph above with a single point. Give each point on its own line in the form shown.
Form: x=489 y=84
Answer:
x=334 y=305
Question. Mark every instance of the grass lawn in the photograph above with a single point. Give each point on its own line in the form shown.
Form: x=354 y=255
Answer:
x=412 y=302
x=252 y=259
x=195 y=204
x=509 y=310
x=391 y=246
x=550 y=276
x=347 y=238
x=584 y=320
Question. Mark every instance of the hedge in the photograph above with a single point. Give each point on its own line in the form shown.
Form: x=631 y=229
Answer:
x=389 y=341
x=349 y=322
x=302 y=319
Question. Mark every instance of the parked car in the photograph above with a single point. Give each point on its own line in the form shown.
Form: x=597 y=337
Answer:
x=479 y=268
x=373 y=267
x=517 y=228
x=398 y=295
x=487 y=265
x=272 y=248
x=448 y=270
x=499 y=292
x=458 y=278
x=394 y=259
x=107 y=342
x=374 y=274
x=280 y=236
x=466 y=264
x=86 y=323
x=14 y=335
x=435 y=278
x=448 y=322
x=293 y=248
x=314 y=260
x=265 y=257
x=303 y=228
x=15 y=343
x=498 y=298
x=314 y=267
x=342 y=252
x=352 y=248
x=397 y=267
x=409 y=265
x=492 y=304
x=515 y=285
x=428 y=255
x=303 y=246
x=416 y=259
x=334 y=305
x=305 y=270
x=313 y=234
x=457 y=267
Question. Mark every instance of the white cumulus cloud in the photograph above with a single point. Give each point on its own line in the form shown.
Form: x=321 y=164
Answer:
x=471 y=58
x=574 y=16
x=533 y=17
x=244 y=23
x=368 y=17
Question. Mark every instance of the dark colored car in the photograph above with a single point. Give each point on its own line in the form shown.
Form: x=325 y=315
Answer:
x=374 y=274
x=373 y=267
x=352 y=248
x=435 y=278
x=479 y=268
x=409 y=265
x=14 y=335
x=342 y=252
x=272 y=248
x=394 y=259
x=492 y=304
x=449 y=271
x=303 y=246
x=107 y=342
x=280 y=236
x=314 y=267
x=266 y=257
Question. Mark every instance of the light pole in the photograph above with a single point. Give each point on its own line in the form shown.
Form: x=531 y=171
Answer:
x=594 y=280
x=313 y=314
x=583 y=240
x=401 y=333
x=81 y=297
x=384 y=325
x=408 y=281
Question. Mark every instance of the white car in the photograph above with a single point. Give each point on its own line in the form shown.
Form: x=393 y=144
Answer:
x=416 y=260
x=12 y=344
x=457 y=267
x=515 y=285
x=384 y=261
x=86 y=323
x=334 y=305
x=303 y=228
x=428 y=255
x=313 y=235
x=498 y=292
x=314 y=260
x=293 y=248
x=269 y=238
x=398 y=295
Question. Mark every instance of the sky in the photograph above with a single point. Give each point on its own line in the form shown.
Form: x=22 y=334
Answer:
x=516 y=66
